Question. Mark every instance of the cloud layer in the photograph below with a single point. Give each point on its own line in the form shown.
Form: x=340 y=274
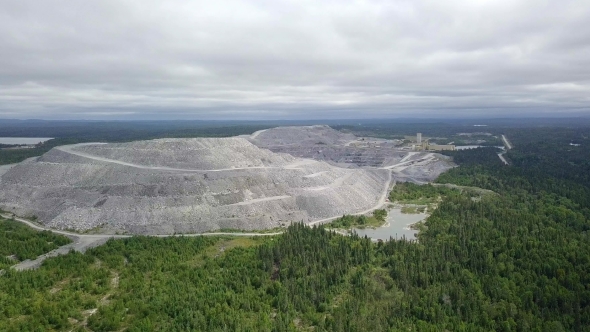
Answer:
x=292 y=59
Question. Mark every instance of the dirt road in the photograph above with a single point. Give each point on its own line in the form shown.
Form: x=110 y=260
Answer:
x=83 y=242
x=505 y=140
x=501 y=156
x=379 y=204
x=70 y=149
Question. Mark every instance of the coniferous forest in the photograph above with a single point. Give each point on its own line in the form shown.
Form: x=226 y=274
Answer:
x=19 y=242
x=514 y=260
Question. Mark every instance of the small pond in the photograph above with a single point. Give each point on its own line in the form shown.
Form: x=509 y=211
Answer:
x=467 y=147
x=396 y=226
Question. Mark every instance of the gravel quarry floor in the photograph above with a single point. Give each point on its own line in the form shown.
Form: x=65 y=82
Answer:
x=192 y=186
x=346 y=150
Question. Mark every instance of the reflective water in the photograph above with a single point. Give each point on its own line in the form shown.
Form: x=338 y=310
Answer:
x=23 y=140
x=396 y=226
x=467 y=147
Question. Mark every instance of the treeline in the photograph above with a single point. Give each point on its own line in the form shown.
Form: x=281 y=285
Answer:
x=559 y=152
x=72 y=133
x=479 y=156
x=125 y=130
x=348 y=221
x=408 y=192
x=12 y=156
x=515 y=261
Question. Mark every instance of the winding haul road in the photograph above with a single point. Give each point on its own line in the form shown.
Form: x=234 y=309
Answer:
x=505 y=140
x=379 y=204
x=119 y=236
x=70 y=149
x=405 y=162
x=82 y=242
x=508 y=147
x=256 y=133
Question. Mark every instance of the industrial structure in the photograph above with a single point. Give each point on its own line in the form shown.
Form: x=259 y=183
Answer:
x=436 y=147
x=426 y=146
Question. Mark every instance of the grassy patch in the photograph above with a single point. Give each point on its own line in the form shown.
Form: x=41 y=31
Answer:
x=410 y=193
x=223 y=245
x=227 y=244
x=362 y=221
x=421 y=200
x=258 y=231
x=409 y=209
x=413 y=209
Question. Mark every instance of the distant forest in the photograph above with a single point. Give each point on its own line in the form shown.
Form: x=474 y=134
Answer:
x=81 y=132
x=516 y=260
x=71 y=132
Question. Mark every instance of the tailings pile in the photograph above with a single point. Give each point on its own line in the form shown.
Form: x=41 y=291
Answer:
x=170 y=186
x=346 y=150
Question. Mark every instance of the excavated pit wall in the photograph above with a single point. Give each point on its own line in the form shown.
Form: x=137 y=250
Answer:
x=183 y=186
x=197 y=185
x=346 y=150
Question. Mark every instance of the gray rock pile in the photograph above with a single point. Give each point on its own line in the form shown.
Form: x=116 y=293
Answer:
x=346 y=150
x=183 y=186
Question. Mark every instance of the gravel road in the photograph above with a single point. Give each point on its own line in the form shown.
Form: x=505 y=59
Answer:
x=70 y=149
x=505 y=140
x=83 y=242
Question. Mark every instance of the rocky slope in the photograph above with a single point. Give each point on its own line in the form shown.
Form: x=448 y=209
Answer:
x=184 y=186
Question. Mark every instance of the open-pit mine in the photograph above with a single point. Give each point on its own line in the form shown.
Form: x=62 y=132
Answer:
x=165 y=186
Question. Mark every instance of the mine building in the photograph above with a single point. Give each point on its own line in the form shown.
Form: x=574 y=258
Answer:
x=424 y=145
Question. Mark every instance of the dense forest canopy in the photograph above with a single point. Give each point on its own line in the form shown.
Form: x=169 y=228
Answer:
x=514 y=260
x=19 y=242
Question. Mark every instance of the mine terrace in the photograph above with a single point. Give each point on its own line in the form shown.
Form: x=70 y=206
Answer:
x=169 y=186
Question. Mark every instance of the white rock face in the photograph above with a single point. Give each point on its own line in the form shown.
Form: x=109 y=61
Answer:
x=183 y=186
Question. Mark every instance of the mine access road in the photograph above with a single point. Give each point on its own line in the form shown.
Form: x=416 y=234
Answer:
x=83 y=242
x=70 y=149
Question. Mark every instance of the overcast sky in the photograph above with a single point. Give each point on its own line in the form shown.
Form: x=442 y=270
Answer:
x=299 y=59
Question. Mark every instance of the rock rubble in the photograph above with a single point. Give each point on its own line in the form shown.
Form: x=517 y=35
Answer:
x=170 y=186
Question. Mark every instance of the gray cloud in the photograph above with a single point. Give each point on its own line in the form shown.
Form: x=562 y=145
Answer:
x=292 y=59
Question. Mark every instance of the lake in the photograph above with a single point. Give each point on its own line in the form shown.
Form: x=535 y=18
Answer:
x=23 y=140
x=467 y=147
x=396 y=226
